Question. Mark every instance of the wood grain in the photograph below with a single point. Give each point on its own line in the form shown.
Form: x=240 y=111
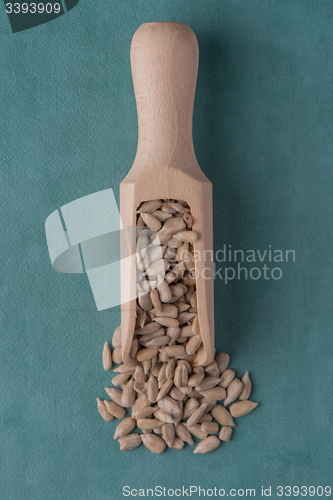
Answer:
x=164 y=61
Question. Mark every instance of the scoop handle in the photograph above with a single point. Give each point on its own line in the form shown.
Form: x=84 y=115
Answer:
x=164 y=61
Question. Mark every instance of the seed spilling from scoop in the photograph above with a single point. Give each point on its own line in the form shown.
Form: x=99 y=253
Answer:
x=169 y=398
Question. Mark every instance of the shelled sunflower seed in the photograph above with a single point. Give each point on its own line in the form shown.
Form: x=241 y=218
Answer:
x=170 y=399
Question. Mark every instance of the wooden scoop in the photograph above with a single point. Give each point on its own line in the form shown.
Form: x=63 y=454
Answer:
x=164 y=61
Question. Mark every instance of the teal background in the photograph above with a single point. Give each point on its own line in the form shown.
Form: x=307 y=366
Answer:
x=263 y=135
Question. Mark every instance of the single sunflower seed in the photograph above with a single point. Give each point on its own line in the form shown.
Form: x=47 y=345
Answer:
x=183 y=433
x=115 y=410
x=185 y=389
x=164 y=389
x=225 y=433
x=123 y=369
x=121 y=378
x=147 y=329
x=161 y=216
x=187 y=218
x=210 y=403
x=214 y=394
x=172 y=227
x=207 y=445
x=117 y=355
x=157 y=268
x=189 y=236
x=190 y=406
x=195 y=325
x=211 y=367
x=173 y=334
x=177 y=291
x=151 y=221
x=155 y=299
x=115 y=395
x=166 y=321
x=163 y=416
x=146 y=354
x=146 y=365
x=140 y=402
x=128 y=397
x=141 y=319
x=196 y=415
x=145 y=412
x=177 y=394
x=210 y=427
x=206 y=417
x=152 y=388
x=222 y=415
x=207 y=383
x=170 y=369
x=166 y=207
x=149 y=206
x=164 y=291
x=233 y=391
x=180 y=208
x=178 y=270
x=154 y=443
x=143 y=339
x=185 y=317
x=196 y=431
x=107 y=357
x=180 y=252
x=169 y=277
x=145 y=302
x=226 y=378
x=174 y=350
x=148 y=423
x=180 y=376
x=162 y=375
x=193 y=300
x=103 y=411
x=116 y=339
x=193 y=344
x=195 y=379
x=245 y=394
x=167 y=311
x=124 y=427
x=181 y=306
x=178 y=444
x=242 y=408
x=169 y=405
x=139 y=375
x=222 y=361
x=158 y=341
x=129 y=442
x=168 y=433
x=156 y=368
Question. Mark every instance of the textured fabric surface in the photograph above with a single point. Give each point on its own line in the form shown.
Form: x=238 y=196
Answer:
x=263 y=135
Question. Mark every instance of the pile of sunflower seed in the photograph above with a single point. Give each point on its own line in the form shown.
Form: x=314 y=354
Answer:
x=170 y=398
